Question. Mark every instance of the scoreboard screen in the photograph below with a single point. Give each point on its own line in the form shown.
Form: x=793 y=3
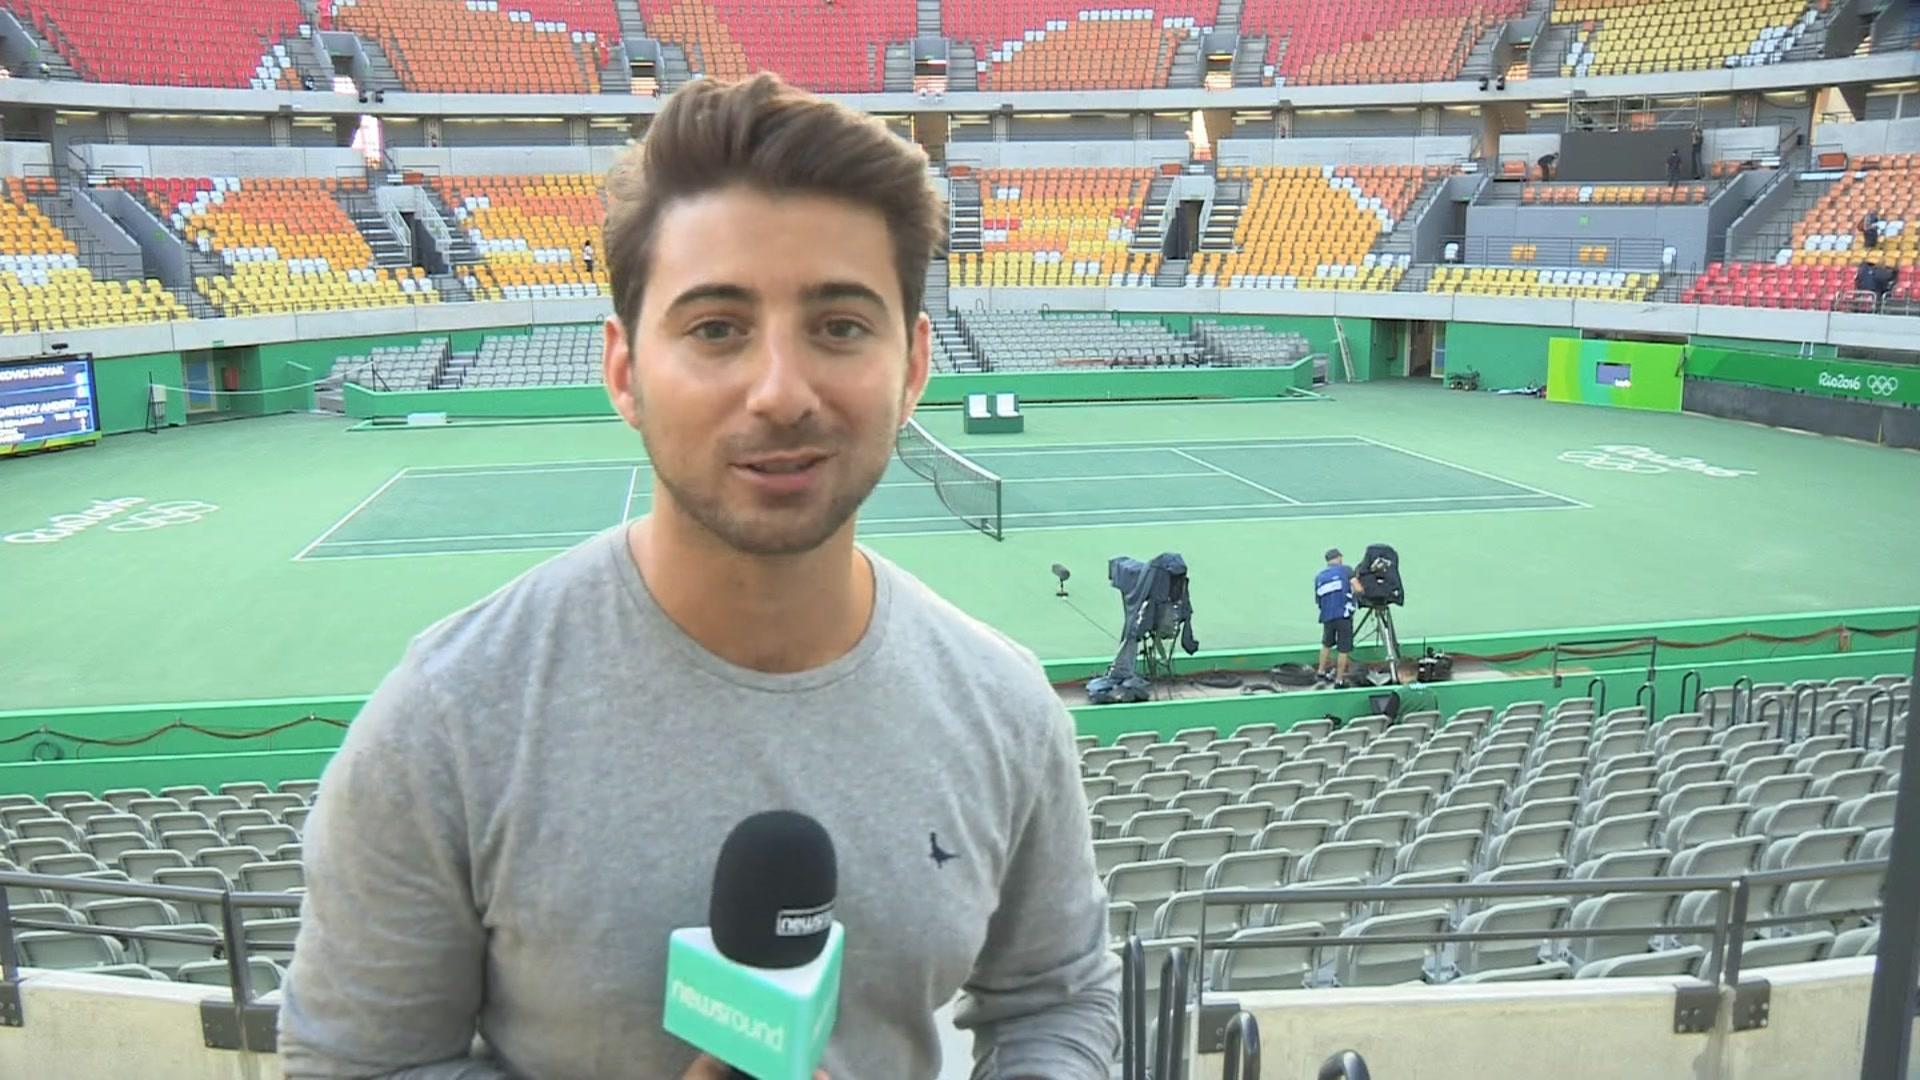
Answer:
x=46 y=402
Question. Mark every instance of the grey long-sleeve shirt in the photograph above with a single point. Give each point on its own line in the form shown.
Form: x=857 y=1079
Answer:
x=535 y=798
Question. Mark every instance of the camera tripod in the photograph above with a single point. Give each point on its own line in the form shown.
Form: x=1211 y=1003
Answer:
x=1379 y=620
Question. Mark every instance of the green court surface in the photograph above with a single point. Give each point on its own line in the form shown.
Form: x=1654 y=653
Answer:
x=289 y=556
x=550 y=505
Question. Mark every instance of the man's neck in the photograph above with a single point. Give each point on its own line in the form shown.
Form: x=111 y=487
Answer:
x=772 y=614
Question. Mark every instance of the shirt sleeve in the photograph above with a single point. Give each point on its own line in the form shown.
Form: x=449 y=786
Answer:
x=388 y=966
x=1044 y=997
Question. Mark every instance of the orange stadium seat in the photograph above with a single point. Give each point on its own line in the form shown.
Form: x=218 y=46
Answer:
x=1625 y=37
x=288 y=244
x=1336 y=41
x=835 y=47
x=480 y=46
x=1827 y=246
x=231 y=42
x=1062 y=46
x=43 y=286
x=1555 y=283
x=1314 y=227
x=1556 y=194
x=1058 y=226
x=529 y=231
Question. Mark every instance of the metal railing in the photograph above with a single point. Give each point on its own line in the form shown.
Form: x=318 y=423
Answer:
x=1728 y=931
x=1561 y=253
x=239 y=1022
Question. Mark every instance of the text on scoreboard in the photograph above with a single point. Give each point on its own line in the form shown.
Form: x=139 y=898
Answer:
x=44 y=400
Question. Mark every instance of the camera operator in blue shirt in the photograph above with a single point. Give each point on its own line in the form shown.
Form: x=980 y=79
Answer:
x=1334 y=589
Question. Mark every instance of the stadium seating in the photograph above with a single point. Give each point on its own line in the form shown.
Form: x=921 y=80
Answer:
x=530 y=232
x=1051 y=227
x=288 y=244
x=1057 y=47
x=1826 y=248
x=232 y=42
x=1333 y=41
x=548 y=356
x=1030 y=341
x=1612 y=194
x=836 y=47
x=397 y=367
x=1534 y=793
x=481 y=46
x=1312 y=227
x=1623 y=37
x=1560 y=284
x=44 y=287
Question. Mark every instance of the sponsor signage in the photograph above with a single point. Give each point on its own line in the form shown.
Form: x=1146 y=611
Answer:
x=1857 y=380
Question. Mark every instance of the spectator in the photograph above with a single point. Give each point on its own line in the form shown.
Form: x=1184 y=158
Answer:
x=1699 y=151
x=1870 y=229
x=1547 y=162
x=1673 y=167
x=586 y=256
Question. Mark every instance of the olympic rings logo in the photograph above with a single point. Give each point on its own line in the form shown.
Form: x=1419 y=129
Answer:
x=162 y=514
x=1882 y=385
x=1605 y=462
x=1643 y=461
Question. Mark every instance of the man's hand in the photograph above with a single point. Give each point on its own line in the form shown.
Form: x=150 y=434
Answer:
x=706 y=1068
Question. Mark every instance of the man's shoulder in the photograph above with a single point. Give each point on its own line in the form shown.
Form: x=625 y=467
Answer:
x=499 y=632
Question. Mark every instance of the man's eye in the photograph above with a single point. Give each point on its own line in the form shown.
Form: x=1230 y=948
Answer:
x=846 y=329
x=713 y=330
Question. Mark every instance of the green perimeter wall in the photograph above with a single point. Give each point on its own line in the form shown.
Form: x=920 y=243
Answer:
x=1507 y=357
x=38 y=753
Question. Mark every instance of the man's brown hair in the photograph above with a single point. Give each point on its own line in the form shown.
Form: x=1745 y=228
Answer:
x=775 y=139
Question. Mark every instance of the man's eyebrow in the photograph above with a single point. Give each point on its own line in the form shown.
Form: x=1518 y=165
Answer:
x=715 y=291
x=842 y=290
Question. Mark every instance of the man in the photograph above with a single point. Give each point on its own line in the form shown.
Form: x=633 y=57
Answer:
x=1699 y=153
x=1870 y=229
x=1547 y=162
x=534 y=798
x=1333 y=590
x=1673 y=167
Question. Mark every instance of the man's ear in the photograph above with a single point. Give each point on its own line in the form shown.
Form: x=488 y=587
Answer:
x=919 y=366
x=616 y=367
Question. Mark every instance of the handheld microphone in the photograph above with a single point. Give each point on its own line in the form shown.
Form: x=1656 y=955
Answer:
x=759 y=987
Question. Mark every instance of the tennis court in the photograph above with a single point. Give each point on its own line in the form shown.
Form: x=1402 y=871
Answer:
x=537 y=506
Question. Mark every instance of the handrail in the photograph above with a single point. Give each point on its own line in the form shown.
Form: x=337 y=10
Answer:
x=1345 y=1065
x=1243 y=1048
x=1133 y=1010
x=1170 y=1033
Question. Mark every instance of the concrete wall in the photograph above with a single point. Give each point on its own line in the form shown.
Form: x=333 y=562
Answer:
x=508 y=160
x=1870 y=137
x=105 y=231
x=1114 y=153
x=95 y=1027
x=1685 y=228
x=1574 y=1030
x=1730 y=204
x=225 y=160
x=16 y=156
x=1381 y=150
x=163 y=252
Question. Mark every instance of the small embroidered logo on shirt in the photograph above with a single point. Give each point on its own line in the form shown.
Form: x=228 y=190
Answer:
x=941 y=857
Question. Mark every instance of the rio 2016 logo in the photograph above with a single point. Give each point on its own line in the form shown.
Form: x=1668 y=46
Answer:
x=114 y=513
x=1643 y=460
x=1877 y=385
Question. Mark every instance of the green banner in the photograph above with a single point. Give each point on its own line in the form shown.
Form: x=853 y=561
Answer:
x=1620 y=374
x=1882 y=384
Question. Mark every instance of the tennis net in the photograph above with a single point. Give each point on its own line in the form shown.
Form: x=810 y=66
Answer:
x=969 y=491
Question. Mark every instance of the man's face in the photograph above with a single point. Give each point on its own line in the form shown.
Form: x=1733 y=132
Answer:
x=770 y=367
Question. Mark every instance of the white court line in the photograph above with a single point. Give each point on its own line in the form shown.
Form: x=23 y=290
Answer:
x=1231 y=475
x=431 y=472
x=626 y=508
x=1254 y=519
x=511 y=466
x=1476 y=472
x=959 y=529
x=462 y=539
x=1153 y=448
x=1168 y=512
x=362 y=505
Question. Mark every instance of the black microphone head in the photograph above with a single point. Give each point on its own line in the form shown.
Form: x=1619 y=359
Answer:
x=773 y=891
x=1061 y=572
